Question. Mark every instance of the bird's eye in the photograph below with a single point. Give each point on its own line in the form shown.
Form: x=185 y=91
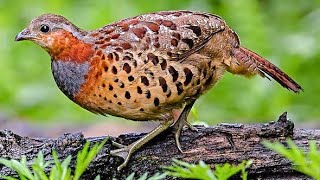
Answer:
x=44 y=28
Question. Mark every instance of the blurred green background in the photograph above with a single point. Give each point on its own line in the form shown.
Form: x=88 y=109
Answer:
x=286 y=32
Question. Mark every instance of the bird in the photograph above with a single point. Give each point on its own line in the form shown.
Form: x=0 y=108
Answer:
x=144 y=67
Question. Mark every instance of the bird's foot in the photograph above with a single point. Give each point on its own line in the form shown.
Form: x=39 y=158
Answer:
x=125 y=152
x=179 y=124
x=177 y=128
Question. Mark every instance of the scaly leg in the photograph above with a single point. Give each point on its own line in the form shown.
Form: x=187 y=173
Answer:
x=182 y=120
x=127 y=151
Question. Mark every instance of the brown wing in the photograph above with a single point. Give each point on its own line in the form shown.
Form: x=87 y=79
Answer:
x=176 y=34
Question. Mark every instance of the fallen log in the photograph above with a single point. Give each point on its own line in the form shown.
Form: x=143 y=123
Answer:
x=230 y=143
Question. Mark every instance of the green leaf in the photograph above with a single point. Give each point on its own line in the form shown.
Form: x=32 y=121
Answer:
x=244 y=173
x=59 y=170
x=8 y=178
x=305 y=162
x=144 y=176
x=130 y=177
x=225 y=171
x=85 y=156
x=20 y=167
x=39 y=166
x=97 y=177
x=156 y=176
x=185 y=170
x=203 y=172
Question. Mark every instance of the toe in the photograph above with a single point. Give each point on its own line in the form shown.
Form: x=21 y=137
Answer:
x=191 y=127
x=118 y=145
x=123 y=152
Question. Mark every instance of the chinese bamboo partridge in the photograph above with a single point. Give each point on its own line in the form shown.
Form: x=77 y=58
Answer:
x=142 y=68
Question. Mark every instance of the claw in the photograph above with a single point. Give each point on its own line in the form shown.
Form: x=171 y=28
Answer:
x=191 y=127
x=178 y=125
x=125 y=153
x=177 y=138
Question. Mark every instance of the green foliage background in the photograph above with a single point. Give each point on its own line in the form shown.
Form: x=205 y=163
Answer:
x=286 y=32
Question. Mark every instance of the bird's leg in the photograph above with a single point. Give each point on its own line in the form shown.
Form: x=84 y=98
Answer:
x=182 y=120
x=126 y=151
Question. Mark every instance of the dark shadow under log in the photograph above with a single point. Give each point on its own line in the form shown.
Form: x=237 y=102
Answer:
x=220 y=144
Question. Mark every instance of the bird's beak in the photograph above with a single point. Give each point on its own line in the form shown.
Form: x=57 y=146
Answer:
x=24 y=35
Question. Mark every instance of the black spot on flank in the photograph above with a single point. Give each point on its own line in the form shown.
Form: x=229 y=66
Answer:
x=156 y=44
x=127 y=95
x=105 y=98
x=188 y=73
x=163 y=64
x=174 y=42
x=103 y=85
x=163 y=84
x=100 y=95
x=151 y=74
x=114 y=70
x=119 y=103
x=195 y=29
x=176 y=35
x=121 y=85
x=115 y=96
x=110 y=87
x=174 y=73
x=141 y=109
x=179 y=87
x=189 y=42
x=110 y=56
x=154 y=59
x=116 y=56
x=148 y=94
x=169 y=94
x=126 y=58
x=144 y=80
x=134 y=63
x=214 y=68
x=97 y=76
x=139 y=90
x=156 y=101
x=110 y=101
x=130 y=78
x=127 y=67
x=116 y=80
x=106 y=68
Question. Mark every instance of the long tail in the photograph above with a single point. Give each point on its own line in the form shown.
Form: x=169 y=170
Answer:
x=248 y=58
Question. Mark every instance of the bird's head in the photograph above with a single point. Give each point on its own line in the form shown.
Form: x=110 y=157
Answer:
x=58 y=36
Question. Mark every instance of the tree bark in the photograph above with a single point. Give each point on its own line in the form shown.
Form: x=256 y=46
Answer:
x=214 y=145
